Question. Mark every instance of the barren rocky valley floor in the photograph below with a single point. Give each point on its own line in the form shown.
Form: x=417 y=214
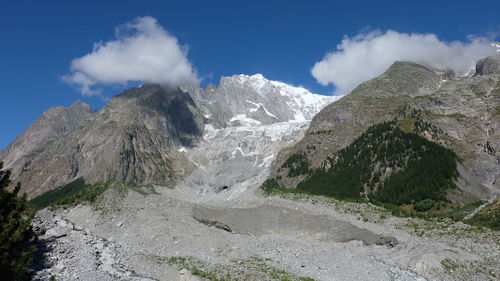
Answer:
x=157 y=237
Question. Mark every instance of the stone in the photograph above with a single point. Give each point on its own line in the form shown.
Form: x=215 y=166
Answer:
x=56 y=232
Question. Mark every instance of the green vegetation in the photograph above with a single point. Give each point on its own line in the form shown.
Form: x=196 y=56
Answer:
x=488 y=217
x=77 y=192
x=407 y=124
x=58 y=193
x=456 y=115
x=321 y=132
x=490 y=220
x=198 y=269
x=297 y=165
x=343 y=182
x=89 y=193
x=17 y=244
x=425 y=205
x=458 y=213
x=389 y=165
x=449 y=265
x=271 y=187
x=496 y=113
x=255 y=268
x=386 y=164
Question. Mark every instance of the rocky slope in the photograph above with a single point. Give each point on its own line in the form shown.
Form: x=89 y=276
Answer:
x=131 y=139
x=48 y=128
x=462 y=114
x=231 y=162
x=254 y=100
x=159 y=237
x=141 y=135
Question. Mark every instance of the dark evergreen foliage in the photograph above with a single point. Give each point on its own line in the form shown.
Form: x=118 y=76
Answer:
x=58 y=193
x=490 y=220
x=388 y=165
x=345 y=182
x=16 y=236
x=424 y=205
x=487 y=217
x=297 y=165
x=76 y=192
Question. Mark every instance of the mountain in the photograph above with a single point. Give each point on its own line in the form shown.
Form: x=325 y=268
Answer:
x=395 y=138
x=461 y=114
x=254 y=100
x=145 y=135
x=130 y=140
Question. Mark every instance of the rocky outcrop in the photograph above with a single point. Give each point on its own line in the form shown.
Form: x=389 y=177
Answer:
x=64 y=246
x=489 y=65
x=462 y=114
x=242 y=100
x=132 y=139
x=141 y=135
x=48 y=128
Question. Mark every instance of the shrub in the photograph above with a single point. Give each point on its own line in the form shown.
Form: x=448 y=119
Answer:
x=16 y=236
x=424 y=205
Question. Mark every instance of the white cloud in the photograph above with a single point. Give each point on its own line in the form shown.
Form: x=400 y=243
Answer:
x=368 y=55
x=142 y=51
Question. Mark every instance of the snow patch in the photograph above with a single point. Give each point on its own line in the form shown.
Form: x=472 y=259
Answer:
x=496 y=45
x=259 y=105
x=303 y=103
x=244 y=120
x=209 y=127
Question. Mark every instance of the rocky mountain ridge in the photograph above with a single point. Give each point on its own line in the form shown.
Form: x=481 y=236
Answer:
x=255 y=100
x=462 y=113
x=141 y=135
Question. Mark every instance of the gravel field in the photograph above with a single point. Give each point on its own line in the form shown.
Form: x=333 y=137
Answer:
x=156 y=237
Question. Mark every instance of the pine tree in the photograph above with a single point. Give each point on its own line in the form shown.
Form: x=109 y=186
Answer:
x=16 y=235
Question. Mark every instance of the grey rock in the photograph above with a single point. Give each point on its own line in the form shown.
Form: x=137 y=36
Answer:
x=136 y=138
x=56 y=232
x=267 y=219
x=22 y=155
x=240 y=99
x=45 y=215
x=489 y=65
x=131 y=139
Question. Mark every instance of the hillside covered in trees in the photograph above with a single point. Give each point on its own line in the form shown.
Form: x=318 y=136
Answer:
x=385 y=164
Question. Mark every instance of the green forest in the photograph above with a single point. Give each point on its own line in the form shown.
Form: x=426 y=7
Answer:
x=58 y=194
x=386 y=165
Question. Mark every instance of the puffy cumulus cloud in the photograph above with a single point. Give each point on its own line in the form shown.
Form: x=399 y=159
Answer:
x=369 y=54
x=142 y=51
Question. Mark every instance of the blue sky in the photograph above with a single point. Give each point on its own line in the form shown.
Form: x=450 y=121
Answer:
x=280 y=39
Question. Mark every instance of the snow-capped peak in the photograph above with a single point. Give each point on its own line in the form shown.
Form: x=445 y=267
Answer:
x=304 y=103
x=247 y=100
x=256 y=81
x=301 y=101
x=496 y=45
